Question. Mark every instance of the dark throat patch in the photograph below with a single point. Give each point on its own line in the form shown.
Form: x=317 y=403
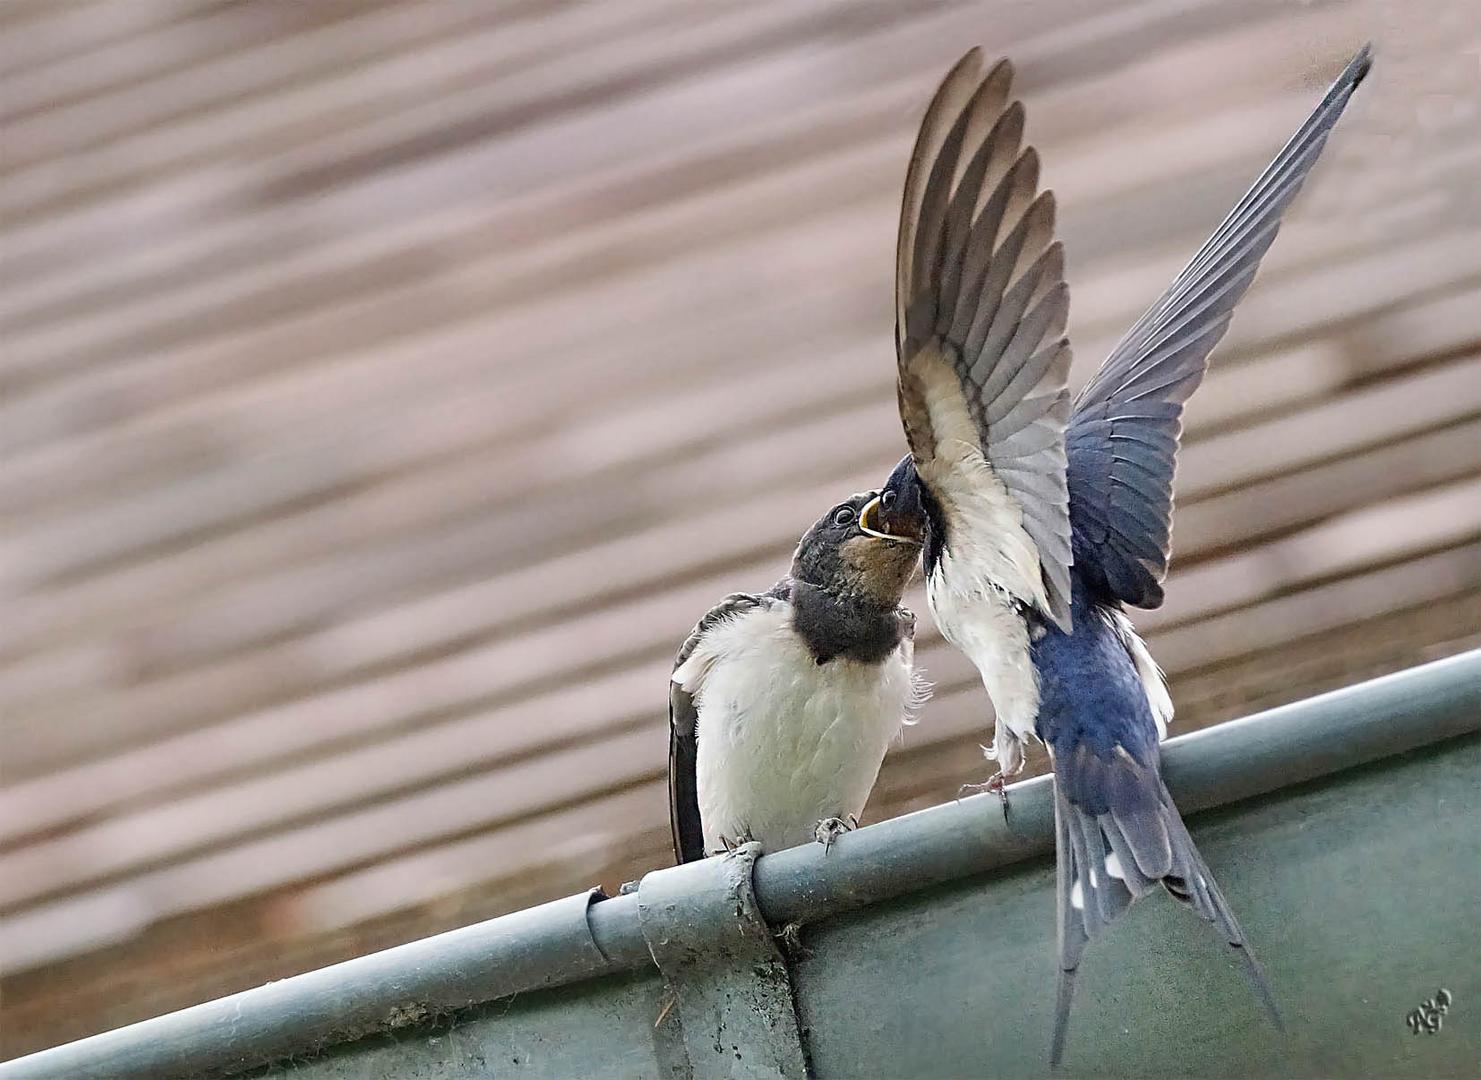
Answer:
x=847 y=627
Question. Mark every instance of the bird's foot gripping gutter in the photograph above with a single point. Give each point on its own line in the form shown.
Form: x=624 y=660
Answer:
x=725 y=975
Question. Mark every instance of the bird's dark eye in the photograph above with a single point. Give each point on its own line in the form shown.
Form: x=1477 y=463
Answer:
x=844 y=515
x=887 y=500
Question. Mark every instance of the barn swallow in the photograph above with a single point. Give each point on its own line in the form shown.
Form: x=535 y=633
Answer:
x=782 y=703
x=1041 y=520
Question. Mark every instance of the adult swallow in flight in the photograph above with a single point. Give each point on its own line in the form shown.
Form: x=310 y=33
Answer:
x=1042 y=520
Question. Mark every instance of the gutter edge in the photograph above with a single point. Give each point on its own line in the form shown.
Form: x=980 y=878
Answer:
x=588 y=935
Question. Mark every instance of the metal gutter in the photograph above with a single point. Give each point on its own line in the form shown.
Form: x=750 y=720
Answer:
x=721 y=963
x=1238 y=760
x=585 y=936
x=548 y=945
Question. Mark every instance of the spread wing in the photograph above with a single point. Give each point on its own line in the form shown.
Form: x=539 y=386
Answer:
x=1123 y=437
x=684 y=819
x=980 y=314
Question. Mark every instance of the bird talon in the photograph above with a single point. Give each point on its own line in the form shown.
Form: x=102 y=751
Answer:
x=830 y=829
x=997 y=783
x=731 y=844
x=789 y=937
x=992 y=783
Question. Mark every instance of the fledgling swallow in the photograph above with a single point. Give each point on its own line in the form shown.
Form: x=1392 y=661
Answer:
x=1042 y=521
x=782 y=703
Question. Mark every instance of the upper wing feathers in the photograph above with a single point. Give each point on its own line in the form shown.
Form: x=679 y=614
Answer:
x=935 y=129
x=981 y=307
x=1123 y=438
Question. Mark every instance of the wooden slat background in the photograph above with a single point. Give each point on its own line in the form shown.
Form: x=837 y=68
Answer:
x=389 y=386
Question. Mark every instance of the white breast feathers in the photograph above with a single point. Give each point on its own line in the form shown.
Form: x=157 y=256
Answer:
x=784 y=742
x=985 y=624
x=984 y=522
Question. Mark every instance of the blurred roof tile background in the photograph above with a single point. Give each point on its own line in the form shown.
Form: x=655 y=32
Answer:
x=388 y=387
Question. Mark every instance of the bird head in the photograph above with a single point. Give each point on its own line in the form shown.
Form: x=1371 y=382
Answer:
x=900 y=510
x=844 y=555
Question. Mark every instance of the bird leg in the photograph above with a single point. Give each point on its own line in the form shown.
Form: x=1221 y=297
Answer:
x=830 y=829
x=997 y=782
x=1007 y=751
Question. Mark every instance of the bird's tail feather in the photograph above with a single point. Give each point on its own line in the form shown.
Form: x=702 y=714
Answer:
x=1207 y=899
x=1108 y=860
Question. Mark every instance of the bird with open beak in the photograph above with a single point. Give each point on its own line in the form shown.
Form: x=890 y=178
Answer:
x=1041 y=521
x=782 y=703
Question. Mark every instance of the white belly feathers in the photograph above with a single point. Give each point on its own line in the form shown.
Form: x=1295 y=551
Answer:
x=784 y=742
x=991 y=562
x=983 y=623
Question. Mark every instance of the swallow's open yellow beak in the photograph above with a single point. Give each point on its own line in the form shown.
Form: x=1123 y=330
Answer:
x=869 y=514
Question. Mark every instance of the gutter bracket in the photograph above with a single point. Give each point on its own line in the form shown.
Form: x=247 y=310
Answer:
x=726 y=977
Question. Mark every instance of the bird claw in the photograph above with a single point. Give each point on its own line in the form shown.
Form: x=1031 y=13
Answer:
x=789 y=938
x=830 y=829
x=740 y=840
x=997 y=782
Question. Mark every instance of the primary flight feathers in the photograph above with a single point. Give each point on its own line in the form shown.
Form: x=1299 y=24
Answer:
x=1123 y=437
x=981 y=306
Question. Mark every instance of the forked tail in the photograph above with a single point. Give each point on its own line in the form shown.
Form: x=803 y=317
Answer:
x=1117 y=852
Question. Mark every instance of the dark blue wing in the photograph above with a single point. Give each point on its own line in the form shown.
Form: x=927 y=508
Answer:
x=1122 y=439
